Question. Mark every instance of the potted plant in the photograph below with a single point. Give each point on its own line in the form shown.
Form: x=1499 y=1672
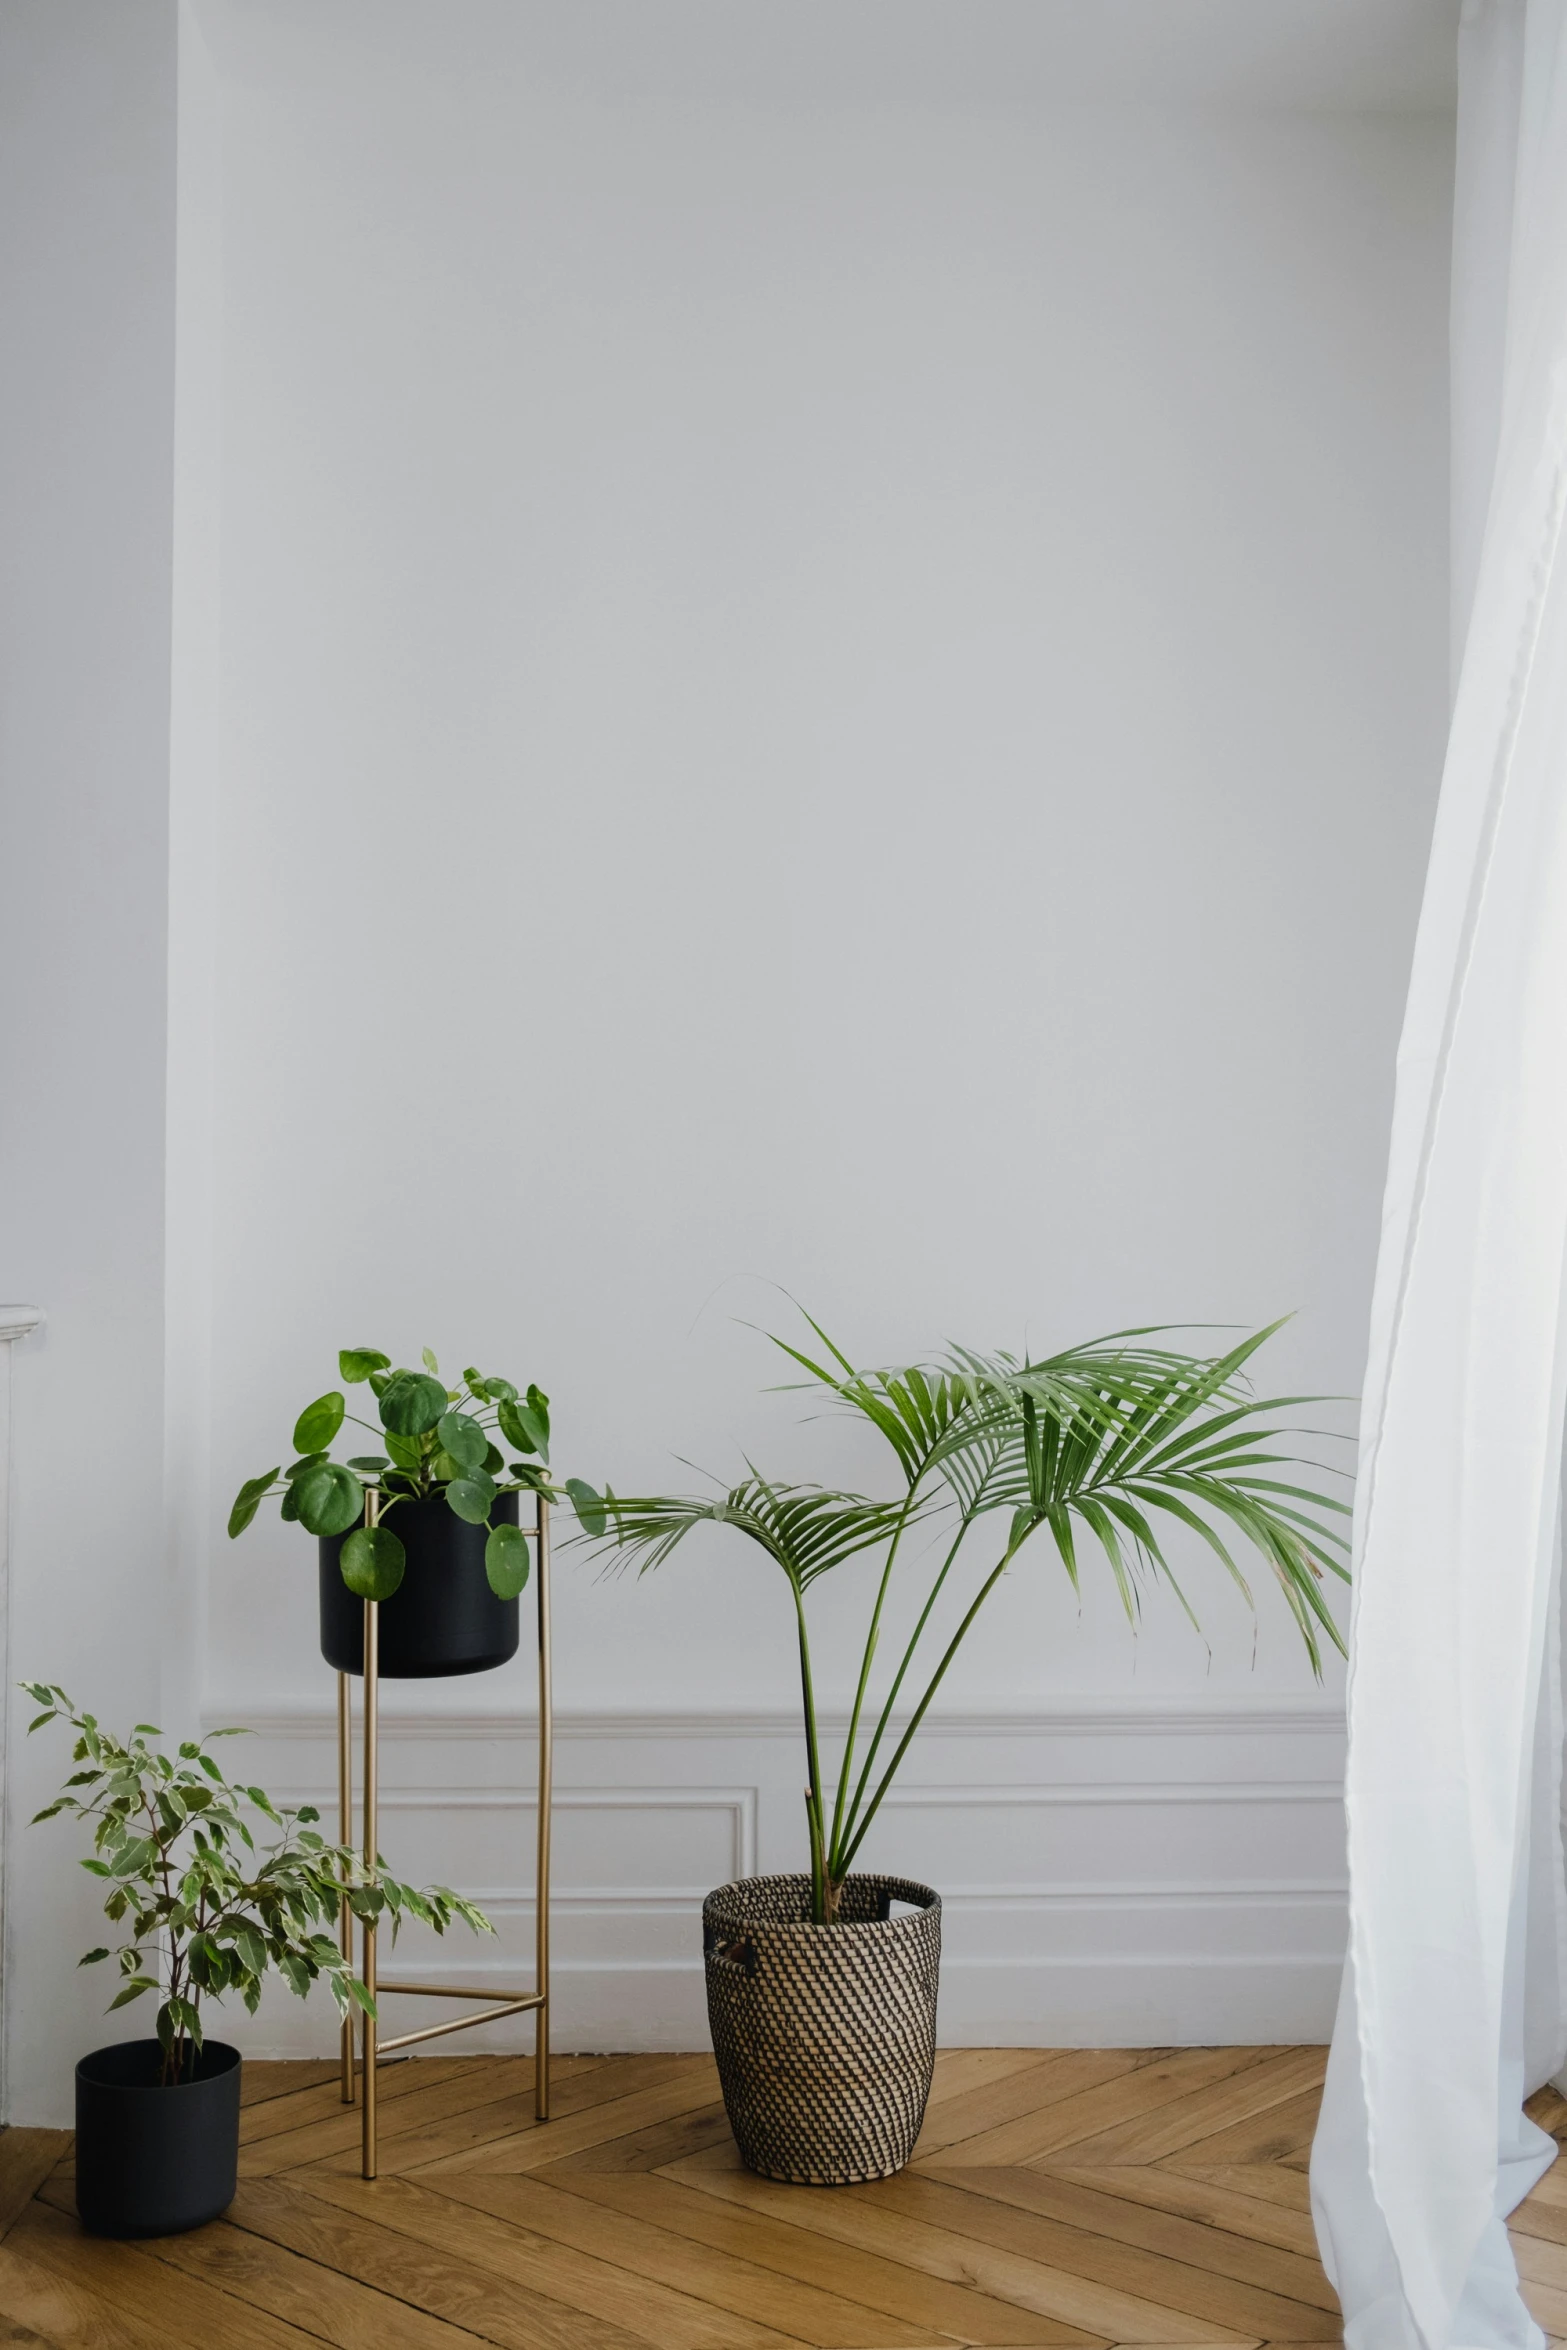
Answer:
x=430 y=1521
x=822 y=2002
x=203 y=1913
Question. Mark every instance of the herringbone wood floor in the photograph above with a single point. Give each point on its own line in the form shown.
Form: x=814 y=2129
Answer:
x=1075 y=2197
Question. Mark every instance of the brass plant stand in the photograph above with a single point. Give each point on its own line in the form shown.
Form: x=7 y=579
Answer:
x=373 y=2048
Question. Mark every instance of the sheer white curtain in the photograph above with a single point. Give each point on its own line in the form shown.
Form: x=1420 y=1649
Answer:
x=1453 y=2005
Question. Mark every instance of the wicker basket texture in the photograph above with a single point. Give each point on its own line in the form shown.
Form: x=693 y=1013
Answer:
x=825 y=2035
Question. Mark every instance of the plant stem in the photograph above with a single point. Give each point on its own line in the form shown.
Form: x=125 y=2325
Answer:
x=840 y=1858
x=813 y=1793
x=923 y=1707
x=871 y=1638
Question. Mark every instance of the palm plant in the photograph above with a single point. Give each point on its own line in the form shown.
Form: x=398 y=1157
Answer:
x=1113 y=1440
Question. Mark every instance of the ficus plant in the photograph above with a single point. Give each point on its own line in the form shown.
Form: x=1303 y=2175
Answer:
x=1115 y=1441
x=203 y=1910
x=437 y=1440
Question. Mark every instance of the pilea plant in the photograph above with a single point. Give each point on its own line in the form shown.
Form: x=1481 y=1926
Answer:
x=438 y=1440
x=194 y=1897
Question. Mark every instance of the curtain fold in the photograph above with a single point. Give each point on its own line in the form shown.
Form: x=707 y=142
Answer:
x=1452 y=2006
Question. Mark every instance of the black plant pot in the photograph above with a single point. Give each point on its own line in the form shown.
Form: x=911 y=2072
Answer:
x=443 y=1618
x=152 y=2161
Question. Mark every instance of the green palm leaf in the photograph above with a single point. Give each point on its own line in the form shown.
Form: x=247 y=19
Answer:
x=806 y=1529
x=1119 y=1440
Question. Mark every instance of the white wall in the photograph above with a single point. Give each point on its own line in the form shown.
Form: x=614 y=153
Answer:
x=87 y=180
x=893 y=655
x=824 y=692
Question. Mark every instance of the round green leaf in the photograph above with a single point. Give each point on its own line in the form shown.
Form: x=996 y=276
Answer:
x=295 y=1469
x=472 y=1497
x=430 y=1363
x=355 y=1363
x=589 y=1507
x=319 y=1422
x=506 y=1561
x=372 y=1560
x=372 y=1462
x=288 y=1507
x=463 y=1439
x=494 y=1460
x=330 y=1498
x=247 y=1501
x=412 y=1404
x=520 y=1427
x=405 y=1454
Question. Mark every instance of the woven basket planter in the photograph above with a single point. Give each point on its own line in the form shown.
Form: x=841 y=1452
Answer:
x=825 y=2035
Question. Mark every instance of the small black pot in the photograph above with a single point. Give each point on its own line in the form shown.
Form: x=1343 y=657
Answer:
x=152 y=2161
x=443 y=1618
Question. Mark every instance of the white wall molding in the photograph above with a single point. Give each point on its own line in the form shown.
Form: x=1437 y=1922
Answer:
x=1169 y=1870
x=1064 y=1717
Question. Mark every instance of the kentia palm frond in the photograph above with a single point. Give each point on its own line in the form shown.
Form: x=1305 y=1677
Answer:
x=927 y=1414
x=1107 y=1435
x=805 y=1529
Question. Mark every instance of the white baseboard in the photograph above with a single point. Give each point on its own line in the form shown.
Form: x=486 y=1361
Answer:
x=1111 y=1874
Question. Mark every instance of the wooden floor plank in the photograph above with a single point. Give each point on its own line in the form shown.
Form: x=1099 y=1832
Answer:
x=1542 y=2261
x=1266 y=2136
x=694 y=2084
x=1049 y=2291
x=617 y=2269
x=131 y=2280
x=790 y=2255
x=27 y=2158
x=961 y=2070
x=1230 y=2098
x=410 y=2099
x=1127 y=2100
x=416 y=2135
x=1265 y=2181
x=482 y=2130
x=1005 y=2218
x=1045 y=2086
x=1228 y=2209
x=282 y=2077
x=1546 y=2304
x=313 y=2101
x=1535 y=2218
x=1295 y=2276
x=361 y=2287
x=438 y=2281
x=67 y=2313
x=656 y=2144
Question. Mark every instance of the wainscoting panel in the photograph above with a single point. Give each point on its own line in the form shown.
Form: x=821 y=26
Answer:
x=1112 y=1874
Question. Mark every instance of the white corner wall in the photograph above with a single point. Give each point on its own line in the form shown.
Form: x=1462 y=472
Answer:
x=87 y=189
x=825 y=693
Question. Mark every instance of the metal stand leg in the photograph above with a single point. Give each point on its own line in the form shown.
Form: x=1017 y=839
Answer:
x=372 y=1852
x=541 y=2061
x=372 y=2046
x=345 y=1835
